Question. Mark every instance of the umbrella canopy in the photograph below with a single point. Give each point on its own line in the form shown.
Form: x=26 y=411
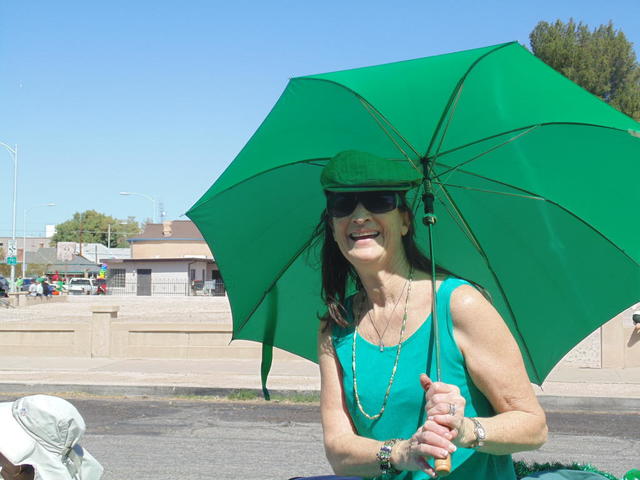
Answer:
x=535 y=184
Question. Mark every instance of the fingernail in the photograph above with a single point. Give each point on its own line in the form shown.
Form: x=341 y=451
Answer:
x=453 y=448
x=445 y=453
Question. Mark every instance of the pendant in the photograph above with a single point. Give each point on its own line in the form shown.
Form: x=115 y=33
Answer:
x=381 y=346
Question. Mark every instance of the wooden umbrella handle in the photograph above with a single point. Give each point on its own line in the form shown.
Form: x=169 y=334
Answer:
x=443 y=466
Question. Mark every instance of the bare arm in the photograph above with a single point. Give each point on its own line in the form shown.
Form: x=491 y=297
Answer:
x=495 y=364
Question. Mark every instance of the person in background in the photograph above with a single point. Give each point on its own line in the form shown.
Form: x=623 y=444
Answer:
x=46 y=288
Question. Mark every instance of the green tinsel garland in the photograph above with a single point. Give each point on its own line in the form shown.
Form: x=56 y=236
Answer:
x=524 y=469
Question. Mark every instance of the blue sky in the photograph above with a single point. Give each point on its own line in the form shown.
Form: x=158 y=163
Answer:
x=157 y=97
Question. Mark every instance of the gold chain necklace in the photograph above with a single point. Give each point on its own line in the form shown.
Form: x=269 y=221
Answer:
x=380 y=341
x=395 y=363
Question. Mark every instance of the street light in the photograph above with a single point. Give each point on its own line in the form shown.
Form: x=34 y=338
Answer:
x=148 y=197
x=24 y=235
x=14 y=155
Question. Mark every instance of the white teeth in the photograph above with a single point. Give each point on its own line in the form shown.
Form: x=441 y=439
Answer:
x=364 y=234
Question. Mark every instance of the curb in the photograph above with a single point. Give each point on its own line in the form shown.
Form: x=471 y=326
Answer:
x=549 y=403
x=159 y=391
x=589 y=404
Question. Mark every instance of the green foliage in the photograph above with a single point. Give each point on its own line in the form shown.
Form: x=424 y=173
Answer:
x=601 y=60
x=243 y=395
x=524 y=469
x=93 y=227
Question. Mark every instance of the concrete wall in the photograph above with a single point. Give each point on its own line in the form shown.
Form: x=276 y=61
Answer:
x=169 y=249
x=620 y=341
x=103 y=335
x=200 y=327
x=22 y=299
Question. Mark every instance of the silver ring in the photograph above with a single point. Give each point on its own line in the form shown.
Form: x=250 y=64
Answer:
x=452 y=409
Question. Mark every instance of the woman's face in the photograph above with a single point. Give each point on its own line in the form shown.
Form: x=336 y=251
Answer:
x=371 y=240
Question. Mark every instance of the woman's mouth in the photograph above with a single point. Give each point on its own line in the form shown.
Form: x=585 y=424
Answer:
x=363 y=235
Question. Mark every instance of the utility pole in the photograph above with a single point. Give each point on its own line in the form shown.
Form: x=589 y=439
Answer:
x=81 y=226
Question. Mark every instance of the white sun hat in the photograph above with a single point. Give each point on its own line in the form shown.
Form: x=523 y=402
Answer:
x=44 y=431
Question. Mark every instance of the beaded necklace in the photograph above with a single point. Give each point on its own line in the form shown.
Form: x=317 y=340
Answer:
x=395 y=363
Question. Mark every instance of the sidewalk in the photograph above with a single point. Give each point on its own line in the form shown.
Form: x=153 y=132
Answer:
x=566 y=388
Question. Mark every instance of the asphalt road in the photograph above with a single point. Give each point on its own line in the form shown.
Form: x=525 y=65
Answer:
x=150 y=439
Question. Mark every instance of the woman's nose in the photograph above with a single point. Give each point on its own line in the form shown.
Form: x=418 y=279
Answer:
x=360 y=214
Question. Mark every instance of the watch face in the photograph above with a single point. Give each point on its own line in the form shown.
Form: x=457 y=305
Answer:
x=480 y=432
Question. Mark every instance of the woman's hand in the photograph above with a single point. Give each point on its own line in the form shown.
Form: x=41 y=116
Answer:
x=429 y=442
x=445 y=407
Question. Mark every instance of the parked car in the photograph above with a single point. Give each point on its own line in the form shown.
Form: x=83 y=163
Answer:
x=82 y=286
x=4 y=286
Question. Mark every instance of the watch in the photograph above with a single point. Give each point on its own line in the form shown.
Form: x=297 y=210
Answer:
x=480 y=433
x=384 y=458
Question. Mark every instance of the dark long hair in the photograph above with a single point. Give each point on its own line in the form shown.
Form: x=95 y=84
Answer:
x=337 y=271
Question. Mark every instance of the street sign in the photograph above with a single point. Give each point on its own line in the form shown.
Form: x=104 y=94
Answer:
x=12 y=250
x=11 y=260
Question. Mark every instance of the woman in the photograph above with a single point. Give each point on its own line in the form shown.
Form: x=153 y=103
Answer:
x=381 y=414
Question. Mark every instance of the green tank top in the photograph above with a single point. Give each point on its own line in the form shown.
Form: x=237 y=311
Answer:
x=404 y=411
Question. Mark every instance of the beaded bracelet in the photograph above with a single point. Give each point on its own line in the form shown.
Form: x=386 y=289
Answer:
x=384 y=457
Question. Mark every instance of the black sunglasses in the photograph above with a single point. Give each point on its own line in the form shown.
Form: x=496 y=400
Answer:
x=341 y=204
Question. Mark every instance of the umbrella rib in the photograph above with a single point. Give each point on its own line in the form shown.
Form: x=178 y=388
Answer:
x=308 y=161
x=528 y=128
x=533 y=196
x=483 y=254
x=483 y=190
x=454 y=94
x=446 y=128
x=495 y=147
x=364 y=101
x=372 y=111
x=275 y=280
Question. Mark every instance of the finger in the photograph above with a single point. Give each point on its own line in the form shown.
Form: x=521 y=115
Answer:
x=432 y=426
x=447 y=421
x=434 y=444
x=441 y=387
x=445 y=401
x=427 y=450
x=425 y=381
x=446 y=408
x=426 y=467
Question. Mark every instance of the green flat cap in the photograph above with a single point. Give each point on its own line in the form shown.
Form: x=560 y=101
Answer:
x=352 y=170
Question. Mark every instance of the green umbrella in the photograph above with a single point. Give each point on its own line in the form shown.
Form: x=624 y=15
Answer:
x=535 y=183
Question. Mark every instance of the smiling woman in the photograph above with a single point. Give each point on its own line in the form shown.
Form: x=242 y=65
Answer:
x=381 y=413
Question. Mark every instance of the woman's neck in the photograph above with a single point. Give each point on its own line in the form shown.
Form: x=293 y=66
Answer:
x=385 y=285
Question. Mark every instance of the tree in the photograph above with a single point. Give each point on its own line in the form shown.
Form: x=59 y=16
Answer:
x=601 y=60
x=94 y=227
x=5 y=270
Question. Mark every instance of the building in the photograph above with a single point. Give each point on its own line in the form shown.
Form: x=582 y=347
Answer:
x=97 y=252
x=48 y=262
x=169 y=258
